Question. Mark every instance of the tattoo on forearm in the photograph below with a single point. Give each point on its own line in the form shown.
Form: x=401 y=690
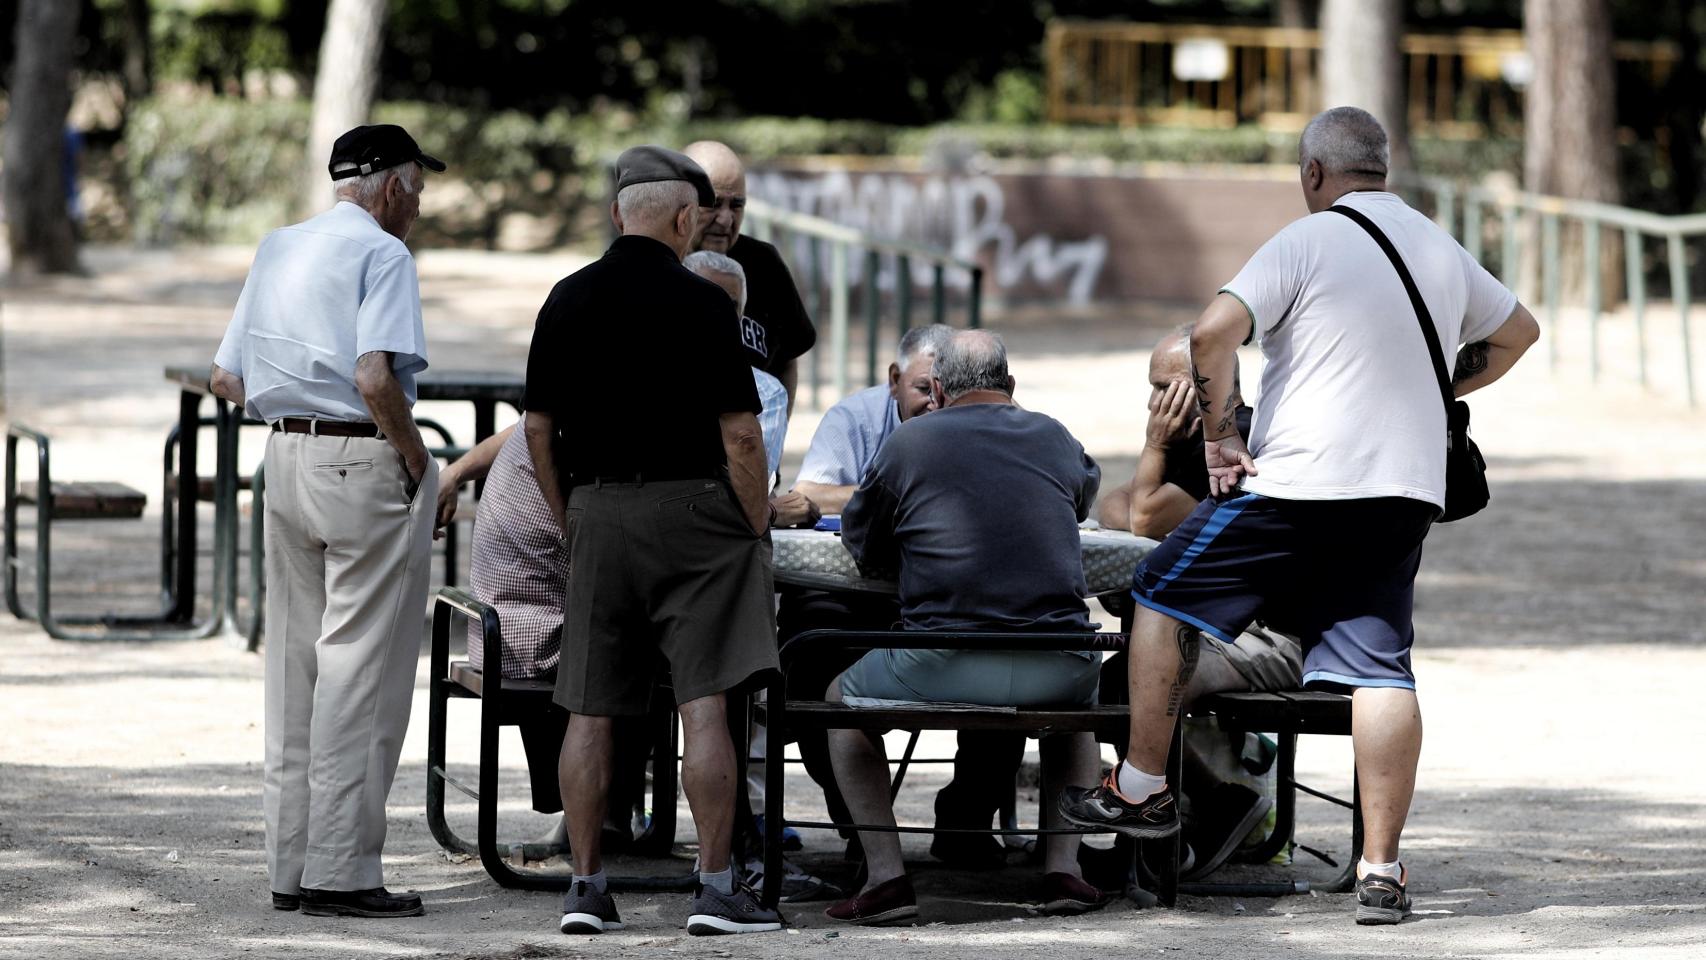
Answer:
x=1189 y=640
x=1202 y=388
x=1471 y=360
x=1230 y=416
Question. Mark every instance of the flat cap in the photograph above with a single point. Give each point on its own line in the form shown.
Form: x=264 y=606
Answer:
x=650 y=164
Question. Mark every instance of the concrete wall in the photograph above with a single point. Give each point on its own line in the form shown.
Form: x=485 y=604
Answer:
x=1173 y=236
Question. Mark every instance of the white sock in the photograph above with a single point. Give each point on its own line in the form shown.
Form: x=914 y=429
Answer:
x=1394 y=869
x=1137 y=785
x=596 y=881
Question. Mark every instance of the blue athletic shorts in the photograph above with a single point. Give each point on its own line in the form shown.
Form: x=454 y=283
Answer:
x=1338 y=574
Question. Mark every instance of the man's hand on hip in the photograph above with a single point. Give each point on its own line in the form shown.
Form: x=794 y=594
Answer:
x=1229 y=462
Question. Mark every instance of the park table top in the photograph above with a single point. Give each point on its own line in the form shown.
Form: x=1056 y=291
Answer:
x=819 y=559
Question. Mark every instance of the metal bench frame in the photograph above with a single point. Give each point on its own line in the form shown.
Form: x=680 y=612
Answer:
x=1286 y=713
x=502 y=703
x=59 y=627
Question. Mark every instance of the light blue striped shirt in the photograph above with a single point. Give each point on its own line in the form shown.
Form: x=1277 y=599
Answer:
x=849 y=437
x=773 y=418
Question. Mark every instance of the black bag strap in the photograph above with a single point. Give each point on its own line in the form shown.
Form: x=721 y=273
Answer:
x=1428 y=332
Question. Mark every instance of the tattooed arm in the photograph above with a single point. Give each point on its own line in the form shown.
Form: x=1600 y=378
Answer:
x=1485 y=361
x=1214 y=368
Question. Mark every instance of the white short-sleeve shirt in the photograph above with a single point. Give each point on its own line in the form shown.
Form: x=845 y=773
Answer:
x=1349 y=407
x=319 y=295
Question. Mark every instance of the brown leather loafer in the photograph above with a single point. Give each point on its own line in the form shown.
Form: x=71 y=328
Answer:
x=377 y=902
x=891 y=901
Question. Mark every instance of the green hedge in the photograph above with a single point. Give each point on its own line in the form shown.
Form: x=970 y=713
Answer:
x=226 y=170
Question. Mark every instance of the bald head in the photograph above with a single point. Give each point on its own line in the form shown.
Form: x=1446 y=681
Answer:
x=1171 y=359
x=719 y=227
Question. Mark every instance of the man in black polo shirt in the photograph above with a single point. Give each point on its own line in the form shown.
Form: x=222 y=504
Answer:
x=775 y=330
x=665 y=520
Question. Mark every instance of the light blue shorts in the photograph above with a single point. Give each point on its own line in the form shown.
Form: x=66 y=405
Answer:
x=996 y=678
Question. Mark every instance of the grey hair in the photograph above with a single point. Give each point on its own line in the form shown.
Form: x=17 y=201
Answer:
x=646 y=202
x=706 y=262
x=363 y=190
x=924 y=340
x=1345 y=140
x=972 y=360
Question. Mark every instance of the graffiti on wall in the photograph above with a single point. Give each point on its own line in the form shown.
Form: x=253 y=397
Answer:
x=965 y=214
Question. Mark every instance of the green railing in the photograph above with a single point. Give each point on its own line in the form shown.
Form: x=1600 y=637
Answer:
x=836 y=264
x=1477 y=214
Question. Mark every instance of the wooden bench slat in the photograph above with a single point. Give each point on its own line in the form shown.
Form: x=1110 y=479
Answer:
x=934 y=716
x=1282 y=711
x=88 y=500
x=466 y=676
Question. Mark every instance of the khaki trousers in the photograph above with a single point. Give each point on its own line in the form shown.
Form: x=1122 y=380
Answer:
x=347 y=561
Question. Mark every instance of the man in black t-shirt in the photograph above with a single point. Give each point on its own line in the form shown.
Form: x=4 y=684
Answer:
x=1170 y=479
x=665 y=520
x=776 y=329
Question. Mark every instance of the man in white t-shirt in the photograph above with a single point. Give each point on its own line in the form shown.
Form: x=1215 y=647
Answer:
x=1343 y=476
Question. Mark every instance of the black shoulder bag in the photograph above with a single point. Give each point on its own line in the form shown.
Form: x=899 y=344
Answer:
x=1465 y=472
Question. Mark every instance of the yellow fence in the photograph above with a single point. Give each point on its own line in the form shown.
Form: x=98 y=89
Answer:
x=1459 y=84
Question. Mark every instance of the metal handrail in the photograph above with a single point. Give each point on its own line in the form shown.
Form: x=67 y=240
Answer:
x=769 y=222
x=1594 y=218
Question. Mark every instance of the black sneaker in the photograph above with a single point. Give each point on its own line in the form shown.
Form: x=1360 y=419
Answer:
x=1102 y=807
x=377 y=902
x=286 y=901
x=1219 y=824
x=715 y=912
x=1381 y=899
x=588 y=911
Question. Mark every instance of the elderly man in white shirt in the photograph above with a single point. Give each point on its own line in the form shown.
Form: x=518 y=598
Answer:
x=324 y=345
x=1316 y=527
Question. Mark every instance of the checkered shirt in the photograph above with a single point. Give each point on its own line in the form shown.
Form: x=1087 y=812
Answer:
x=519 y=566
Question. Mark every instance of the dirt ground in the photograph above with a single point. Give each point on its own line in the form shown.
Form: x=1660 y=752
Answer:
x=1561 y=651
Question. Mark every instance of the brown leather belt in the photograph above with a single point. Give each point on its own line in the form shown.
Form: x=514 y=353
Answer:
x=325 y=428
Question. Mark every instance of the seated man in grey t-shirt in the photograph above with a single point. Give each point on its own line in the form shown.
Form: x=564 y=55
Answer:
x=978 y=507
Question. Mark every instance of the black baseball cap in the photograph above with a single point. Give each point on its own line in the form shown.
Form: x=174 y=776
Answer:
x=377 y=147
x=649 y=164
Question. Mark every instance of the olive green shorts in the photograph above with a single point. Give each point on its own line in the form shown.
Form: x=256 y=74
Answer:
x=662 y=574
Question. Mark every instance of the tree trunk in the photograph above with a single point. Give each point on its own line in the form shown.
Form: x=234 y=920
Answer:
x=1686 y=92
x=1570 y=122
x=1296 y=14
x=138 y=51
x=343 y=87
x=1362 y=65
x=38 y=223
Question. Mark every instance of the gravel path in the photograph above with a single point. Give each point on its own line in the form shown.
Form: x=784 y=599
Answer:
x=1559 y=811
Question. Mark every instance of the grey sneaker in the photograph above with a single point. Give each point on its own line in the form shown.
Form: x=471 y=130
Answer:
x=715 y=912
x=1381 y=899
x=1102 y=807
x=586 y=911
